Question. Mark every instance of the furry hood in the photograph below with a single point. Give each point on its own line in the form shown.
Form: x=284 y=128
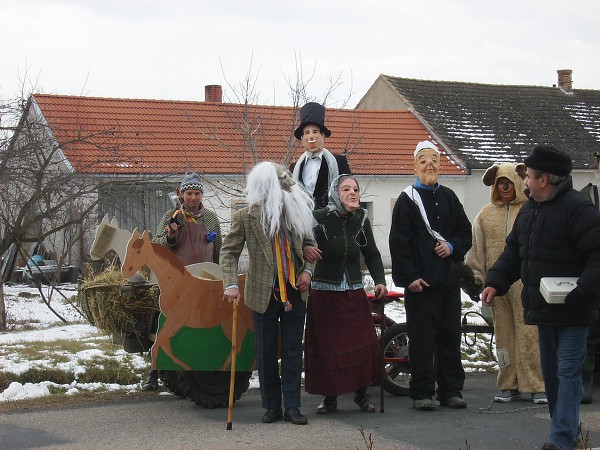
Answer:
x=514 y=172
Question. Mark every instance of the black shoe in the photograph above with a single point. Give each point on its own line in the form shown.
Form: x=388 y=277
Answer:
x=151 y=383
x=551 y=446
x=328 y=406
x=272 y=415
x=295 y=416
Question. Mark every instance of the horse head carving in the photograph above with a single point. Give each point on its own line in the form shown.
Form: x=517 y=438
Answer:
x=186 y=302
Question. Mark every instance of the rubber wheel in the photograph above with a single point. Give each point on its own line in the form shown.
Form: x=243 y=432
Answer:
x=396 y=362
x=170 y=378
x=211 y=388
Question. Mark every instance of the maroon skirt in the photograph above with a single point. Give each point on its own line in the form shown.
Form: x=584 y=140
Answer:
x=341 y=350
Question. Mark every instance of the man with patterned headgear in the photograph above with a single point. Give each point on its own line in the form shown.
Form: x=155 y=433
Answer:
x=430 y=232
x=192 y=232
x=276 y=226
x=317 y=167
x=517 y=347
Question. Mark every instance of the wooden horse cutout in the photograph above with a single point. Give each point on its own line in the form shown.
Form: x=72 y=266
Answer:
x=110 y=237
x=185 y=300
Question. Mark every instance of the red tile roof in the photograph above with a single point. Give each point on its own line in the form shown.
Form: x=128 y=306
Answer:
x=128 y=136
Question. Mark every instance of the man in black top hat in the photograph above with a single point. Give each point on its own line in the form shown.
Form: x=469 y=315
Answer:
x=317 y=167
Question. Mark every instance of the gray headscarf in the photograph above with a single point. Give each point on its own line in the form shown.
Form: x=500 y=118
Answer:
x=335 y=203
x=335 y=206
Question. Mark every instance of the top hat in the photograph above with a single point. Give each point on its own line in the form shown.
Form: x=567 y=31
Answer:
x=312 y=113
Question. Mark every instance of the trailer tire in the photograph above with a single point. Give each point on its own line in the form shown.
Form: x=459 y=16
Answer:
x=170 y=378
x=210 y=389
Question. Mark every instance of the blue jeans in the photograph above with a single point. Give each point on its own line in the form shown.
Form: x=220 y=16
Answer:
x=562 y=351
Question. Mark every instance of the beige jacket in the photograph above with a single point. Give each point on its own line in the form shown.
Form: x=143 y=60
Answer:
x=495 y=220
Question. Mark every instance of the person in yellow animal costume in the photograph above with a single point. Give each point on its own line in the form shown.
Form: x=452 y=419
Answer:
x=517 y=346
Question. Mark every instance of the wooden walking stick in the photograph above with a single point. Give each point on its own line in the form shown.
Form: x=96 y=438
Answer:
x=233 y=357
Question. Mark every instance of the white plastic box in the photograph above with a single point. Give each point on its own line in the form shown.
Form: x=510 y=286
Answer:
x=555 y=289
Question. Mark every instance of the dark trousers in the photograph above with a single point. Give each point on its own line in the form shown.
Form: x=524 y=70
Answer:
x=433 y=319
x=267 y=327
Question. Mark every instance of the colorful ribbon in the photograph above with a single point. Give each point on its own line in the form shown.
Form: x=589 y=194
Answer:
x=285 y=267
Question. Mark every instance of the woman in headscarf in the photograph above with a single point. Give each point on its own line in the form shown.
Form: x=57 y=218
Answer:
x=341 y=349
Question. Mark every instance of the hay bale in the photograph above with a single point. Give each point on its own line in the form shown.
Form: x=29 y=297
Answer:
x=114 y=305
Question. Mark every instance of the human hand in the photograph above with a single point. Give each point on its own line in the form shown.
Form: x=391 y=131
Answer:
x=487 y=296
x=171 y=229
x=574 y=298
x=418 y=285
x=232 y=294
x=442 y=249
x=380 y=291
x=312 y=254
x=303 y=281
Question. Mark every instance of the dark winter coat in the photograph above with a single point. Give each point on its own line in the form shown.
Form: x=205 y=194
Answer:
x=411 y=245
x=342 y=240
x=559 y=237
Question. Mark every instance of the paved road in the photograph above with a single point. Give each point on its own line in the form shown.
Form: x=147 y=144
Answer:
x=168 y=422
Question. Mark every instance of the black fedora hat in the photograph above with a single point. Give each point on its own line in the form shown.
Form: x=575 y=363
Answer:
x=312 y=113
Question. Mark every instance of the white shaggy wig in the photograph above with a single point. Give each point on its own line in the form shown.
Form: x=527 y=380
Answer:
x=271 y=187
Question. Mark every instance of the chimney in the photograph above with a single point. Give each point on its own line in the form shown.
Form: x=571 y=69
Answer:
x=213 y=93
x=565 y=79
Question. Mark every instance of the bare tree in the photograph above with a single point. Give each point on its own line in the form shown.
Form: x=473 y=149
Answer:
x=252 y=122
x=42 y=197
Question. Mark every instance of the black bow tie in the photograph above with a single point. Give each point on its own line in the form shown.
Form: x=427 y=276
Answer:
x=314 y=157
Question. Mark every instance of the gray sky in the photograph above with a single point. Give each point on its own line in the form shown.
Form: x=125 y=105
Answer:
x=160 y=49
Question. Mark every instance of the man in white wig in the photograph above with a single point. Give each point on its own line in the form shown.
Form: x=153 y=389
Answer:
x=276 y=226
x=317 y=167
x=430 y=232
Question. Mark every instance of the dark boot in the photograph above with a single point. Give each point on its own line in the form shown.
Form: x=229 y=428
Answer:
x=361 y=398
x=151 y=383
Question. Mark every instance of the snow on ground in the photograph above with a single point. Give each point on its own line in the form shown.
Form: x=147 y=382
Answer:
x=31 y=320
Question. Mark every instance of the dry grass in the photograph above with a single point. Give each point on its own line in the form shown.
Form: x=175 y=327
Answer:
x=112 y=304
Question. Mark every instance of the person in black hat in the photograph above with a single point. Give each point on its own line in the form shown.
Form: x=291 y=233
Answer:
x=317 y=167
x=589 y=364
x=555 y=234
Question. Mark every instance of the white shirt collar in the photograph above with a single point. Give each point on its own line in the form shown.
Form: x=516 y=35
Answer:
x=314 y=156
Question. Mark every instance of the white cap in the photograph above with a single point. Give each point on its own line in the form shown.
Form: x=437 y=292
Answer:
x=426 y=144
